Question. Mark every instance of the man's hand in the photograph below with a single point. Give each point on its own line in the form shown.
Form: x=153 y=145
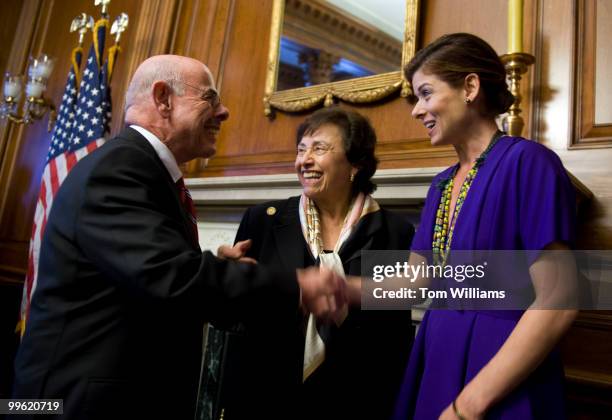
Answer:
x=353 y=290
x=323 y=292
x=237 y=252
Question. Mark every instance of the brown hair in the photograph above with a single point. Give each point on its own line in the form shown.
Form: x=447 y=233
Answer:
x=453 y=56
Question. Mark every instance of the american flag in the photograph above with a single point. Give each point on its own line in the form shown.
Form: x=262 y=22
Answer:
x=83 y=119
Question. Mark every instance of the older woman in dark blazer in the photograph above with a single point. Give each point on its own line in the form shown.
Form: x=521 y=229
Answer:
x=296 y=369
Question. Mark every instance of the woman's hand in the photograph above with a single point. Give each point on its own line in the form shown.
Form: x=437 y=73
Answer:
x=466 y=411
x=449 y=414
x=353 y=290
x=322 y=292
x=237 y=252
x=553 y=276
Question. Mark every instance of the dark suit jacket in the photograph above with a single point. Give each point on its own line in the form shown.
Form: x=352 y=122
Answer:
x=115 y=326
x=365 y=357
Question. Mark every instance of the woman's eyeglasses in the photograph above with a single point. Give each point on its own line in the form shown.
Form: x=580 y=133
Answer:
x=318 y=149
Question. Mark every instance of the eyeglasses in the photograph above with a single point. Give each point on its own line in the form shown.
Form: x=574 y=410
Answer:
x=209 y=95
x=318 y=149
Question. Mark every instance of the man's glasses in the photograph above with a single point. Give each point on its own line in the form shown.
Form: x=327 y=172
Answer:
x=318 y=149
x=209 y=95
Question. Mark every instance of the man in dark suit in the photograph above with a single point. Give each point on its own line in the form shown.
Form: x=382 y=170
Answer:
x=115 y=325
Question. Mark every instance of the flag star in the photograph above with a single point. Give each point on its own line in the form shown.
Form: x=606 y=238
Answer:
x=64 y=97
x=81 y=127
x=87 y=87
x=73 y=91
x=90 y=75
x=76 y=140
x=94 y=91
x=90 y=133
x=64 y=135
x=71 y=115
x=71 y=77
x=69 y=100
x=61 y=145
x=90 y=103
x=94 y=120
x=85 y=115
x=68 y=124
x=78 y=112
x=83 y=100
x=89 y=59
x=99 y=109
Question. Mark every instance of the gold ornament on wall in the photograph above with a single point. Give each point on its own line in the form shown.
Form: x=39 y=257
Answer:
x=377 y=47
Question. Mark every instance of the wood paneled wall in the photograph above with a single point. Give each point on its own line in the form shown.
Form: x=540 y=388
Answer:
x=231 y=36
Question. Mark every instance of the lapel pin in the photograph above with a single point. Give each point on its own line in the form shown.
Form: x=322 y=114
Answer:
x=271 y=211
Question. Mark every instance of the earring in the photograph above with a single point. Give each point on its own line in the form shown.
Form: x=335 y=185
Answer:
x=352 y=178
x=468 y=101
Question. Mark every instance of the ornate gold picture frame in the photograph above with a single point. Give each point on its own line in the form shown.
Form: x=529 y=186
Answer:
x=360 y=90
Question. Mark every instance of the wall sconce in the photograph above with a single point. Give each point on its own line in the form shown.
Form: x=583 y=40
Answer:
x=35 y=105
x=516 y=63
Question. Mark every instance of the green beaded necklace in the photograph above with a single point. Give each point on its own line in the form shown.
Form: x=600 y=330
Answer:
x=443 y=230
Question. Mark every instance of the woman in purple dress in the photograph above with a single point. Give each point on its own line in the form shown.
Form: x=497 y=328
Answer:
x=505 y=193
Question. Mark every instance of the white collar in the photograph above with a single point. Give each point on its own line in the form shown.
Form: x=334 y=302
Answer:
x=162 y=151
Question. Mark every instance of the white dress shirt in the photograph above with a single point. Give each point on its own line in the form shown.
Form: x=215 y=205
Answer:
x=162 y=151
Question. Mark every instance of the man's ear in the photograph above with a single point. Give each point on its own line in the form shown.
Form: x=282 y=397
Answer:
x=162 y=97
x=471 y=86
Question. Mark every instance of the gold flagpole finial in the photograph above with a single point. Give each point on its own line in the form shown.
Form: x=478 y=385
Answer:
x=104 y=4
x=81 y=23
x=119 y=25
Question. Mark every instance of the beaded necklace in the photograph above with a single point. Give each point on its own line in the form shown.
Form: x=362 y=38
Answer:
x=444 y=228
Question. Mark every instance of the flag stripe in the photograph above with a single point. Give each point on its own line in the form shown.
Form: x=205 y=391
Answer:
x=82 y=122
x=71 y=160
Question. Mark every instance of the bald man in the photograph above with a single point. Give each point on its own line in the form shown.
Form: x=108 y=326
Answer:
x=115 y=325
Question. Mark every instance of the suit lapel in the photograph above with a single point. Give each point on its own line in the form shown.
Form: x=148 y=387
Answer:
x=138 y=139
x=288 y=236
x=364 y=237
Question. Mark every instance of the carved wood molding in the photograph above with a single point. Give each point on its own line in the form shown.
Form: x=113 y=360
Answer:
x=360 y=90
x=202 y=31
x=395 y=186
x=152 y=35
x=595 y=320
x=13 y=261
x=409 y=153
x=585 y=132
x=325 y=27
x=20 y=49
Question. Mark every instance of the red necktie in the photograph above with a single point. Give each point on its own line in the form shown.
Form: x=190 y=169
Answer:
x=188 y=206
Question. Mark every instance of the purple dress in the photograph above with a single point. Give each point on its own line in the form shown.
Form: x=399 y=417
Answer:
x=521 y=199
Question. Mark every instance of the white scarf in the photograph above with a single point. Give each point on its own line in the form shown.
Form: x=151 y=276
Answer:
x=314 y=348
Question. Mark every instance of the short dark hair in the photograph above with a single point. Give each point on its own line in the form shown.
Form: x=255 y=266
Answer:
x=453 y=56
x=358 y=137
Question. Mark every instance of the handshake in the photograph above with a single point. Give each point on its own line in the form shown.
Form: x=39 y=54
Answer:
x=323 y=292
